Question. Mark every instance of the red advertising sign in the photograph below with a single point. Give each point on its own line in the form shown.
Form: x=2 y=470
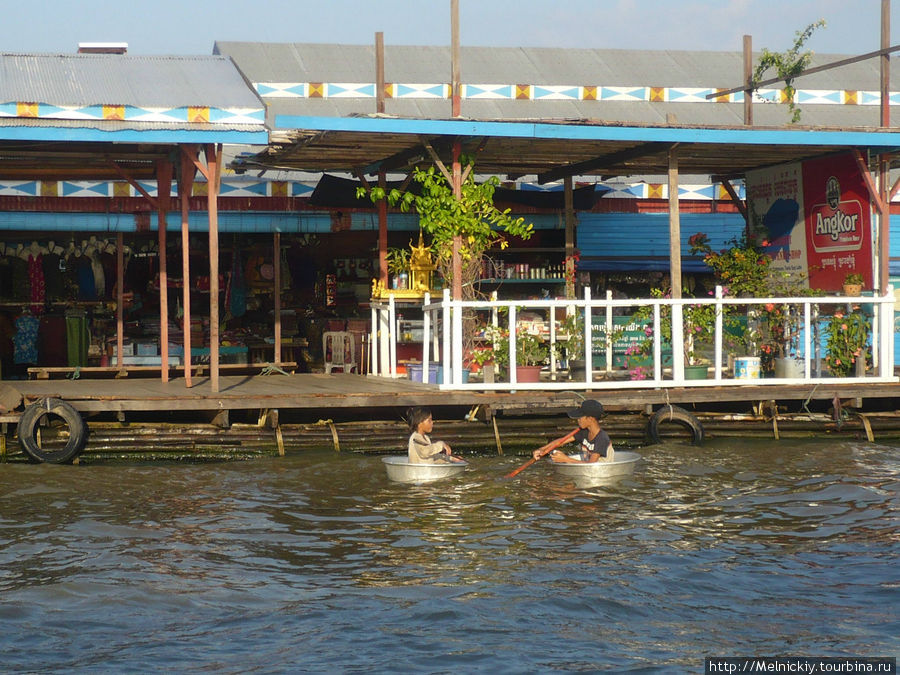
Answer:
x=838 y=222
x=816 y=217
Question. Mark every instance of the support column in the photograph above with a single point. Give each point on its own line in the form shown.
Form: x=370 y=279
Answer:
x=570 y=237
x=748 y=76
x=382 y=232
x=163 y=198
x=185 y=185
x=276 y=262
x=213 y=162
x=675 y=266
x=120 y=304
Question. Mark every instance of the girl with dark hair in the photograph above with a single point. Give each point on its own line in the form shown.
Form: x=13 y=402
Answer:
x=421 y=449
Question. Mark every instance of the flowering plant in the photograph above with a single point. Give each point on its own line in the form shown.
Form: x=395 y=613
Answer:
x=699 y=321
x=847 y=337
x=742 y=269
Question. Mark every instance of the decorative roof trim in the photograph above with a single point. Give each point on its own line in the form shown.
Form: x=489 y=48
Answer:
x=127 y=113
x=540 y=92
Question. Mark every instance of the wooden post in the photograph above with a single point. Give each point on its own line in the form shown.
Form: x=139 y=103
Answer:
x=382 y=231
x=163 y=192
x=675 y=265
x=120 y=309
x=185 y=183
x=674 y=224
x=885 y=64
x=455 y=84
x=457 y=239
x=213 y=162
x=570 y=237
x=379 y=72
x=748 y=76
x=276 y=262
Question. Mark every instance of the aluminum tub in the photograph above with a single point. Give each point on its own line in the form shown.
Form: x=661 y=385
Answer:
x=399 y=469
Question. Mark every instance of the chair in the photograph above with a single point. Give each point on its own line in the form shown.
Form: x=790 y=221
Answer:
x=339 y=351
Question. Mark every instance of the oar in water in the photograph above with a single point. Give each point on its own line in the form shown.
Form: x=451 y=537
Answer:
x=552 y=445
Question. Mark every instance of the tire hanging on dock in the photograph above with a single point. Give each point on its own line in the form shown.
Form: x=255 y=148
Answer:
x=29 y=424
x=680 y=416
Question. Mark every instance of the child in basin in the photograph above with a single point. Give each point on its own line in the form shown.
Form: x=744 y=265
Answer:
x=593 y=443
x=421 y=449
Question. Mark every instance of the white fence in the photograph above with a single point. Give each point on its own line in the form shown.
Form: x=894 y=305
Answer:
x=442 y=339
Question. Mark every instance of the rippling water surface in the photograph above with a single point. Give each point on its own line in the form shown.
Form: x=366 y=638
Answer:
x=317 y=563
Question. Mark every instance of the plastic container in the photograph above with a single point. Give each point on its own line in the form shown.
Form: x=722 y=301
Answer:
x=746 y=368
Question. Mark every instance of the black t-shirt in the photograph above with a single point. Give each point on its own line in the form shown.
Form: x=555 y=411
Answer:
x=598 y=444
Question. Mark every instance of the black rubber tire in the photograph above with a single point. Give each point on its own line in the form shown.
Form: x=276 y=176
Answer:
x=680 y=416
x=28 y=427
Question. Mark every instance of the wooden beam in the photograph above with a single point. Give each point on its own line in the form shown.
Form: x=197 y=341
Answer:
x=163 y=190
x=867 y=179
x=613 y=158
x=120 y=301
x=276 y=294
x=885 y=70
x=185 y=183
x=137 y=186
x=457 y=148
x=810 y=71
x=569 y=199
x=738 y=202
x=213 y=155
x=455 y=82
x=748 y=81
x=379 y=72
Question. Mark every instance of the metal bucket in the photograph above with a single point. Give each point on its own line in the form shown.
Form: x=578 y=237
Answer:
x=400 y=470
x=623 y=464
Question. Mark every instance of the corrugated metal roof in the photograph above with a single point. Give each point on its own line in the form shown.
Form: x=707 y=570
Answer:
x=112 y=79
x=300 y=62
x=292 y=62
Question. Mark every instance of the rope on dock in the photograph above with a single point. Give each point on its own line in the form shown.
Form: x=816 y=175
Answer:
x=334 y=433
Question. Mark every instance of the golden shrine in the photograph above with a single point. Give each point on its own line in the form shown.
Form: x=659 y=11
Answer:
x=420 y=277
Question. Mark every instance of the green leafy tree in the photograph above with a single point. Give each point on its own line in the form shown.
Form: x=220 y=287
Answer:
x=787 y=65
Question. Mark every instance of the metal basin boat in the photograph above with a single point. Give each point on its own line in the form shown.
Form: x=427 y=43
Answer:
x=400 y=470
x=623 y=464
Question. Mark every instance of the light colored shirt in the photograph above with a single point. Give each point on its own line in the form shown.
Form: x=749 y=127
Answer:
x=422 y=450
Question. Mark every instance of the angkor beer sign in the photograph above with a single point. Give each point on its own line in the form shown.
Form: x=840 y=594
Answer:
x=816 y=217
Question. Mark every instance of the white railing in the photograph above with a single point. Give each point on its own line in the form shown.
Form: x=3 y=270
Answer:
x=442 y=339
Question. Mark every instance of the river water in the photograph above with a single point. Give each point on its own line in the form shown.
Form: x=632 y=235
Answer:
x=315 y=562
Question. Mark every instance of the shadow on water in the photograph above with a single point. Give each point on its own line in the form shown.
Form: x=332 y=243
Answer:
x=318 y=562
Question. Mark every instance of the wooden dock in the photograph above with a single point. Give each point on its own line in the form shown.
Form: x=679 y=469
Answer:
x=310 y=391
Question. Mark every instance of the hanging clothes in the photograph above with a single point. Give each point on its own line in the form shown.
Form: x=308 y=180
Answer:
x=54 y=286
x=36 y=280
x=19 y=276
x=99 y=277
x=26 y=339
x=78 y=338
x=87 y=289
x=237 y=288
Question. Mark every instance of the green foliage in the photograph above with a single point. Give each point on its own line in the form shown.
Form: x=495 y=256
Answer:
x=853 y=279
x=742 y=269
x=787 y=65
x=847 y=337
x=473 y=218
x=530 y=348
x=699 y=324
x=398 y=260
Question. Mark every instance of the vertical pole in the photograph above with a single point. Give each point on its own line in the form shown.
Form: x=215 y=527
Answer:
x=379 y=72
x=163 y=194
x=570 y=236
x=213 y=164
x=675 y=267
x=748 y=76
x=885 y=63
x=120 y=309
x=382 y=232
x=455 y=85
x=276 y=262
x=884 y=224
x=185 y=183
x=457 y=239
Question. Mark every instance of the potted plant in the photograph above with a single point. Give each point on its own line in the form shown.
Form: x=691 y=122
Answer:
x=846 y=346
x=572 y=348
x=482 y=357
x=853 y=284
x=530 y=353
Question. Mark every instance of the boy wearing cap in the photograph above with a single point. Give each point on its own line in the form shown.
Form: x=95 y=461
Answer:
x=593 y=442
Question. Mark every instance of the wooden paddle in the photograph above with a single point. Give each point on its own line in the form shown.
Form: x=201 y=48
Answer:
x=552 y=445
